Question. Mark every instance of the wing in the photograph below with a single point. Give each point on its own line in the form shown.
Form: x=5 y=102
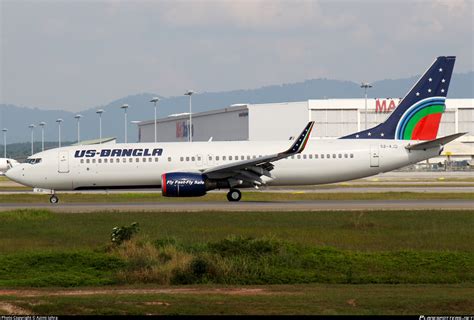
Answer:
x=249 y=172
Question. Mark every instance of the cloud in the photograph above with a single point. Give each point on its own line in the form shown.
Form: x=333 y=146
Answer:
x=78 y=54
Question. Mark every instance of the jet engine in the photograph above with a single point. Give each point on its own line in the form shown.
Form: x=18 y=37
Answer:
x=183 y=184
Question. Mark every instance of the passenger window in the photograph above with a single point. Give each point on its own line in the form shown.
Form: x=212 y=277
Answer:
x=124 y=160
x=298 y=156
x=217 y=158
x=352 y=155
x=88 y=161
x=345 y=155
x=181 y=159
x=315 y=156
x=304 y=156
x=254 y=156
x=187 y=158
x=334 y=156
x=105 y=160
x=322 y=156
x=223 y=158
x=248 y=157
x=130 y=160
x=310 y=156
x=93 y=160
x=340 y=156
x=143 y=159
x=82 y=160
x=230 y=157
x=156 y=159
x=99 y=160
x=199 y=158
x=242 y=157
x=328 y=156
x=193 y=159
x=137 y=160
x=169 y=159
x=150 y=159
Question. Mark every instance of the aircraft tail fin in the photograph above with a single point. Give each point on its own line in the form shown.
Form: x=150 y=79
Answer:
x=418 y=115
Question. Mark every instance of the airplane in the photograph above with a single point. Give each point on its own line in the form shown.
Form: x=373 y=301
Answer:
x=191 y=169
x=6 y=163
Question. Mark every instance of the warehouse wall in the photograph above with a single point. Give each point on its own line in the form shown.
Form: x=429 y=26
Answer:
x=223 y=126
x=277 y=121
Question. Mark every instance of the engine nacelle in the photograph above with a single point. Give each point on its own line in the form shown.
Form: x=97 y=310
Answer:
x=183 y=184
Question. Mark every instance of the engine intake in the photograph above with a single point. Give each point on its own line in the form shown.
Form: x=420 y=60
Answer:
x=183 y=184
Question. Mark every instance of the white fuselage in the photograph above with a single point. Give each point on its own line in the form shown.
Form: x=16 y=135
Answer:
x=322 y=161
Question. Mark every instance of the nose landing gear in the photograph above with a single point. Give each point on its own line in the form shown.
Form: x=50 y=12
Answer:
x=234 y=195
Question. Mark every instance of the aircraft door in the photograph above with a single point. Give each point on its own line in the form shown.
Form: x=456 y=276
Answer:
x=374 y=156
x=63 y=162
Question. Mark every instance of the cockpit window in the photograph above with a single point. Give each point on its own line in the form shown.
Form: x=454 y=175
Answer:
x=33 y=160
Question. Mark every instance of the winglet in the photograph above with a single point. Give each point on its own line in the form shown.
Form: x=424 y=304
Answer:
x=300 y=143
x=434 y=143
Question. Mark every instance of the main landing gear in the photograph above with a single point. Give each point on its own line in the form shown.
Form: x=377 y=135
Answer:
x=234 y=195
x=53 y=199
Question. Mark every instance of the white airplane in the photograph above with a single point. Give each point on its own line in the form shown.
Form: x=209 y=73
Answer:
x=7 y=163
x=185 y=169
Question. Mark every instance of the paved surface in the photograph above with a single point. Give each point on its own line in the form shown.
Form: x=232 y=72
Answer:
x=316 y=205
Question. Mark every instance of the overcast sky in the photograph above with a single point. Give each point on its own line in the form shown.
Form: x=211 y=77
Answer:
x=80 y=54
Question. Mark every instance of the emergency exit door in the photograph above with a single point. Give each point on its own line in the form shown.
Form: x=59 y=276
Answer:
x=374 y=156
x=63 y=162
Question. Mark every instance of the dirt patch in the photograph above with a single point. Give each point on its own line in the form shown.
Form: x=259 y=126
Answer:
x=11 y=309
x=88 y=292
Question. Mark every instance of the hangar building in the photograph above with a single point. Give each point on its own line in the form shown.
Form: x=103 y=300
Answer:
x=281 y=121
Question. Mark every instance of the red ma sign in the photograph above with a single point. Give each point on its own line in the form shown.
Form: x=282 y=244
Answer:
x=384 y=106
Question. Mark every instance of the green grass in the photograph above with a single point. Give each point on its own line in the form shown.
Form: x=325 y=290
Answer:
x=303 y=247
x=430 y=230
x=246 y=196
x=337 y=262
x=66 y=269
x=260 y=300
x=233 y=261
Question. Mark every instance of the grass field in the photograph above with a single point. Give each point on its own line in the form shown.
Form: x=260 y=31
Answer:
x=364 y=262
x=246 y=196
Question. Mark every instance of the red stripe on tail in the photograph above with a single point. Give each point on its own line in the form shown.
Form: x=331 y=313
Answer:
x=427 y=128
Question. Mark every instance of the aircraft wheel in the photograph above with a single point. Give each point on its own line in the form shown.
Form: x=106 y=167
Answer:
x=234 y=195
x=54 y=199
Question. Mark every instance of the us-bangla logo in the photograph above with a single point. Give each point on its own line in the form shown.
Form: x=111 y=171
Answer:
x=421 y=120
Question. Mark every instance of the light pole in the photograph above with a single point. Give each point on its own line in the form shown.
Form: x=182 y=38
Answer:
x=59 y=130
x=155 y=100
x=99 y=112
x=78 y=117
x=190 y=131
x=42 y=124
x=32 y=126
x=125 y=107
x=366 y=86
x=4 y=130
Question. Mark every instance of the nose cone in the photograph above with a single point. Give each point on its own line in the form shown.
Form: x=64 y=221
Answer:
x=16 y=174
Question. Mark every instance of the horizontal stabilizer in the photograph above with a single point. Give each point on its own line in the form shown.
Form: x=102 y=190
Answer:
x=434 y=143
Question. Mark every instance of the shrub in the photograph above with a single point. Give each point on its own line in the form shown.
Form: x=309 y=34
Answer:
x=234 y=246
x=121 y=234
